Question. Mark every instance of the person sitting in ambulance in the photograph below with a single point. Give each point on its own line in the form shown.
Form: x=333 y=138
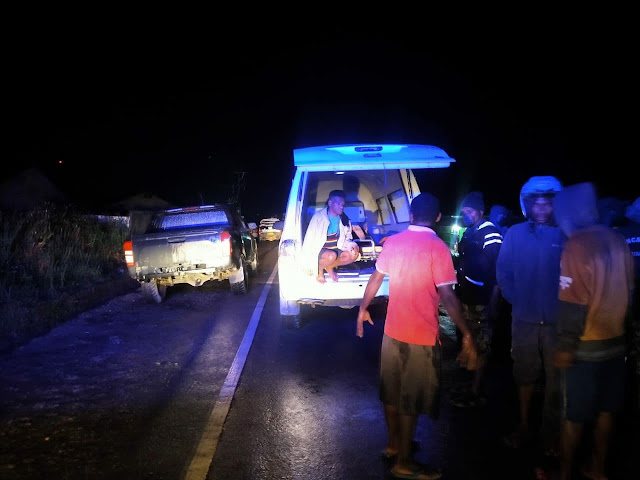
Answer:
x=328 y=242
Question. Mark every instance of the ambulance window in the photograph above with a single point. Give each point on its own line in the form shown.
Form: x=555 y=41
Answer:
x=399 y=205
x=383 y=211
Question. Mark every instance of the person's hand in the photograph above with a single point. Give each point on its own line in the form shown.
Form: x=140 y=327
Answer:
x=363 y=316
x=468 y=356
x=563 y=360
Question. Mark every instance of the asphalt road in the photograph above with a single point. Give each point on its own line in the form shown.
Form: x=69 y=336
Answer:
x=127 y=390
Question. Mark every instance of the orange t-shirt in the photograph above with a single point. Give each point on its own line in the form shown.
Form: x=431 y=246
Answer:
x=597 y=271
x=417 y=262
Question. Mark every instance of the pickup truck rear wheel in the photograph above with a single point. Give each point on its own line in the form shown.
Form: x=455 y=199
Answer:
x=154 y=292
x=241 y=287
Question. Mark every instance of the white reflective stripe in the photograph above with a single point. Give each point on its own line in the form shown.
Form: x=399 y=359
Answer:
x=475 y=282
x=485 y=224
x=200 y=465
x=490 y=242
x=492 y=235
x=446 y=283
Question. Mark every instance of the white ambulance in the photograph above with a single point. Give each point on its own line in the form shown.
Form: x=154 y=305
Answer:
x=379 y=185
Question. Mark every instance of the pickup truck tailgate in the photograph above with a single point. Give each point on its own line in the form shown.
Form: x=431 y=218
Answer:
x=184 y=248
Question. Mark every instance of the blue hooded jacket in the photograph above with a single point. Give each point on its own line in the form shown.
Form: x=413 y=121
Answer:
x=528 y=269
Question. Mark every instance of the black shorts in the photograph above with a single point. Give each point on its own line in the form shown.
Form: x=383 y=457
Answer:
x=593 y=387
x=336 y=250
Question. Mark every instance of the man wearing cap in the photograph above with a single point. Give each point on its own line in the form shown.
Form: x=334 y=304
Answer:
x=421 y=274
x=477 y=287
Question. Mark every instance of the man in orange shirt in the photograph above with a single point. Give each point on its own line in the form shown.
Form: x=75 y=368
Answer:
x=421 y=274
x=596 y=286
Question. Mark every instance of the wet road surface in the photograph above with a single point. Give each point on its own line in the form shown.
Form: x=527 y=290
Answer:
x=307 y=408
x=125 y=390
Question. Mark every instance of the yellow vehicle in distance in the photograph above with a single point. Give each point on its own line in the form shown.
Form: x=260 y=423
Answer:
x=267 y=230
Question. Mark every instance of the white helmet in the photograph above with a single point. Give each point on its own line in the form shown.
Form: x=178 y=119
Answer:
x=544 y=185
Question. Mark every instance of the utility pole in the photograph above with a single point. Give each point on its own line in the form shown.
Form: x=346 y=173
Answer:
x=238 y=188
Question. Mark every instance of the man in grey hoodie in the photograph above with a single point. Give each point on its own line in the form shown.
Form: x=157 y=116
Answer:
x=527 y=272
x=596 y=287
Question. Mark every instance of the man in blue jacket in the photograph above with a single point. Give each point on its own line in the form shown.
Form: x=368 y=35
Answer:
x=527 y=271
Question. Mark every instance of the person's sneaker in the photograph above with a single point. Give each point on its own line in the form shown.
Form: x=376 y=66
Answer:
x=470 y=400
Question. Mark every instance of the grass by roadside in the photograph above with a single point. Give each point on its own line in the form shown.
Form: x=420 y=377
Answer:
x=55 y=261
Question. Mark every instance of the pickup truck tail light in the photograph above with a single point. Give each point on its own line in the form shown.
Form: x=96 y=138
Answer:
x=128 y=254
x=225 y=241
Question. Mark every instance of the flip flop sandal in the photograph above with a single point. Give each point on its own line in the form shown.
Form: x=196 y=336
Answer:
x=419 y=475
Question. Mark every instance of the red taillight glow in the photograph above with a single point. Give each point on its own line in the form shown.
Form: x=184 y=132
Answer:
x=128 y=254
x=225 y=240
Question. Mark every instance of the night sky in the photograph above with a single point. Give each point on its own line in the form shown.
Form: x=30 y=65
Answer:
x=177 y=114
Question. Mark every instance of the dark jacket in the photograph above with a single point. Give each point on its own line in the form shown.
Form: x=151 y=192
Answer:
x=478 y=251
x=631 y=233
x=528 y=269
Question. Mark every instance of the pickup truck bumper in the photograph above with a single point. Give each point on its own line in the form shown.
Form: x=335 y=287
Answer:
x=194 y=277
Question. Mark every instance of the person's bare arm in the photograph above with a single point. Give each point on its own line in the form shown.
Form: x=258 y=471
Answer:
x=369 y=294
x=358 y=231
x=453 y=307
x=468 y=356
